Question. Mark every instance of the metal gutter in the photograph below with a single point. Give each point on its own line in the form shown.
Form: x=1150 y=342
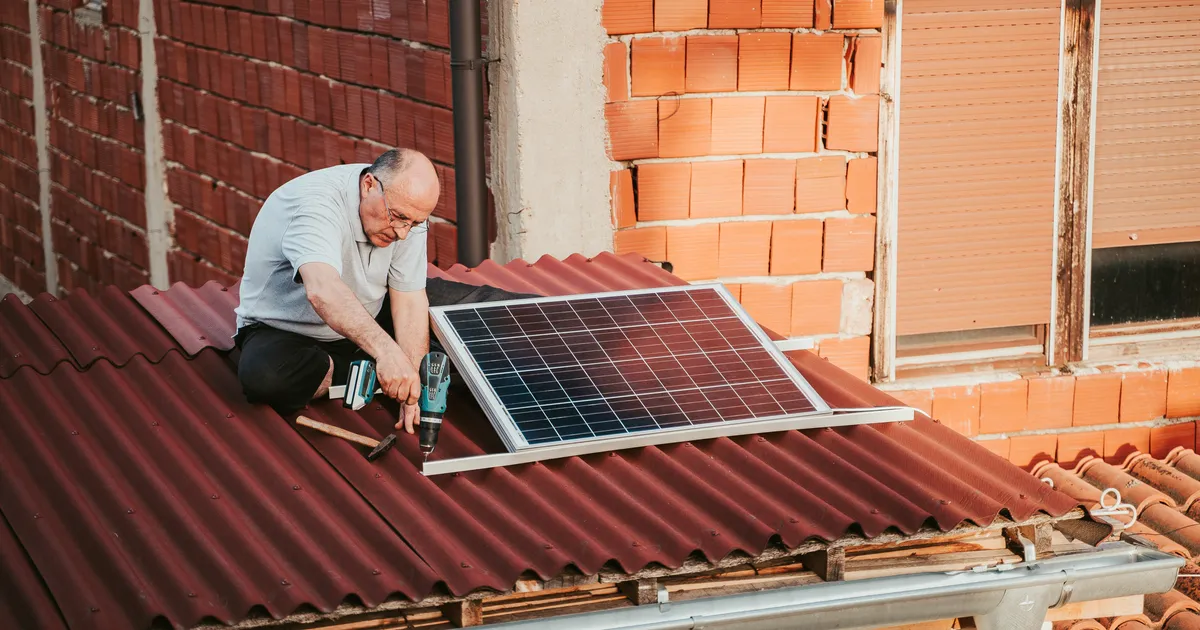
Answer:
x=1009 y=597
x=466 y=73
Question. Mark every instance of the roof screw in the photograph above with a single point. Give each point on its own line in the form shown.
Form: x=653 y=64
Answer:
x=378 y=407
x=95 y=348
x=37 y=516
x=154 y=424
x=213 y=496
x=762 y=439
x=202 y=337
x=548 y=546
x=229 y=415
x=1022 y=496
x=456 y=474
x=612 y=454
x=464 y=565
x=284 y=582
x=377 y=475
x=94 y=609
x=129 y=511
x=224 y=288
x=296 y=487
x=944 y=501
x=74 y=433
x=635 y=544
x=874 y=510
x=375 y=571
x=714 y=532
x=687 y=445
x=154 y=293
x=191 y=594
x=793 y=520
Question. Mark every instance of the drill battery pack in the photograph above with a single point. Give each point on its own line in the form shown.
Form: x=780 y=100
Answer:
x=360 y=384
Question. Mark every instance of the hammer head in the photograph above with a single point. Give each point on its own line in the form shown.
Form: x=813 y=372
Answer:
x=384 y=446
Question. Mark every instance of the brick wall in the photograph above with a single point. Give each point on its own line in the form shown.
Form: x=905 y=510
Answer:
x=21 y=258
x=746 y=132
x=252 y=97
x=96 y=160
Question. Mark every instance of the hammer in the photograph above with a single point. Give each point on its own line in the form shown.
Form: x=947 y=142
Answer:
x=378 y=447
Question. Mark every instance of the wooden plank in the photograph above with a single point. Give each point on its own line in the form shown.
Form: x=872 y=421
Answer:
x=1042 y=536
x=1071 y=254
x=829 y=563
x=883 y=346
x=640 y=591
x=464 y=613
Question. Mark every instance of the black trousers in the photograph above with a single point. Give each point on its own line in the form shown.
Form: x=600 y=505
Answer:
x=283 y=369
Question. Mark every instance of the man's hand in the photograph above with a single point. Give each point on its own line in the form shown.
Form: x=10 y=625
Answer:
x=410 y=416
x=397 y=377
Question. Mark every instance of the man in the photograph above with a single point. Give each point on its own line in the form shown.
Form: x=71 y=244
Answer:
x=335 y=271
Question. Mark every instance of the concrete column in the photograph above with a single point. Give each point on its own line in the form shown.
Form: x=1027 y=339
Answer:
x=41 y=135
x=158 y=210
x=549 y=162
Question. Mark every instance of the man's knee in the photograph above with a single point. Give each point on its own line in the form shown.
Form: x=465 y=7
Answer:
x=285 y=385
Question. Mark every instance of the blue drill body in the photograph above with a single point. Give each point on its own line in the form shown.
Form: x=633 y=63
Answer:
x=435 y=382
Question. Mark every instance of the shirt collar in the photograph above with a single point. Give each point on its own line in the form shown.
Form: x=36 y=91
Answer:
x=352 y=201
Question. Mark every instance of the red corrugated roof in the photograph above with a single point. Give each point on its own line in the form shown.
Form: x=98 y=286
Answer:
x=24 y=600
x=484 y=528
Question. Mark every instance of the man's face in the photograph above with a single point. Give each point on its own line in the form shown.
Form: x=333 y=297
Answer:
x=389 y=214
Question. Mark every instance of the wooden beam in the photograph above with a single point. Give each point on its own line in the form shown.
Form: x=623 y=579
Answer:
x=640 y=592
x=1071 y=252
x=464 y=613
x=1042 y=536
x=829 y=564
x=883 y=339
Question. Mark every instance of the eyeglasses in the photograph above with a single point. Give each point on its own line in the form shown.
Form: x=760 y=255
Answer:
x=396 y=221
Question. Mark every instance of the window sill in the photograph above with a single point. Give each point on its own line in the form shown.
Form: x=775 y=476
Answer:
x=1153 y=340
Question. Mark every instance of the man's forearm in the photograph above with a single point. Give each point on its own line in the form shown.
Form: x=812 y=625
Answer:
x=340 y=308
x=410 y=320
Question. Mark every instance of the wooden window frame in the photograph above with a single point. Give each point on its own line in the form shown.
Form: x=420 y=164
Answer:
x=1068 y=338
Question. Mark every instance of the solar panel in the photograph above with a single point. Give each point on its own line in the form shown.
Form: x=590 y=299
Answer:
x=615 y=367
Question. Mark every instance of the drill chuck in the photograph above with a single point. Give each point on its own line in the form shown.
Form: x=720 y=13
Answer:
x=427 y=435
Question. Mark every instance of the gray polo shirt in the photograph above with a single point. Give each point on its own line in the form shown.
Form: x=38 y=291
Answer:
x=314 y=218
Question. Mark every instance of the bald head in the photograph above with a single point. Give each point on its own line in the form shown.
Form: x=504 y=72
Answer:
x=410 y=173
x=401 y=184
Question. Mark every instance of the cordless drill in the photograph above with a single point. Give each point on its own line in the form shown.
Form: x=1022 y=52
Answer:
x=435 y=380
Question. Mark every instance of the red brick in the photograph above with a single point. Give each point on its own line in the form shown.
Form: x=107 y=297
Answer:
x=849 y=244
x=737 y=125
x=861 y=185
x=680 y=15
x=957 y=408
x=1051 y=402
x=1183 y=393
x=734 y=13
x=817 y=61
x=1003 y=406
x=852 y=355
x=620 y=189
x=716 y=189
x=816 y=306
x=664 y=191
x=745 y=248
x=1143 y=396
x=712 y=63
x=620 y=17
x=764 y=61
x=769 y=187
x=791 y=124
x=1164 y=439
x=684 y=127
x=633 y=129
x=858 y=14
x=616 y=75
x=865 y=65
x=1027 y=450
x=657 y=66
x=692 y=250
x=770 y=305
x=796 y=247
x=650 y=242
x=853 y=124
x=1097 y=399
x=820 y=184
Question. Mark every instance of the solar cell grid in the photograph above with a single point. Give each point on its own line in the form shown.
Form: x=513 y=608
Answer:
x=611 y=365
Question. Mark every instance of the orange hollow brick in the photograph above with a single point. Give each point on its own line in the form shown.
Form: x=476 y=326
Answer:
x=796 y=247
x=787 y=13
x=1097 y=399
x=849 y=244
x=918 y=399
x=823 y=15
x=684 y=127
x=957 y=408
x=737 y=125
x=1003 y=406
x=745 y=248
x=1183 y=393
x=820 y=184
x=680 y=15
x=769 y=187
x=734 y=13
x=664 y=191
x=791 y=124
x=770 y=305
x=735 y=290
x=999 y=447
x=650 y=242
x=716 y=189
x=620 y=184
x=712 y=63
x=1143 y=396
x=1073 y=447
x=657 y=65
x=764 y=61
x=858 y=14
x=620 y=17
x=1164 y=439
x=865 y=65
x=1027 y=450
x=817 y=307
x=852 y=355
x=853 y=124
x=692 y=250
x=1119 y=444
x=632 y=129
x=1051 y=402
x=862 y=185
x=817 y=61
x=616 y=77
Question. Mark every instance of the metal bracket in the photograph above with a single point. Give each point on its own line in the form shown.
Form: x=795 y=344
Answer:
x=664 y=598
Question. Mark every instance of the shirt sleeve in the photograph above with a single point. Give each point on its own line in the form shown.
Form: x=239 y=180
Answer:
x=312 y=236
x=407 y=272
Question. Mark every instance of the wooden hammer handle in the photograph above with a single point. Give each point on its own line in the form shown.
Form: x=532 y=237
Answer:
x=337 y=431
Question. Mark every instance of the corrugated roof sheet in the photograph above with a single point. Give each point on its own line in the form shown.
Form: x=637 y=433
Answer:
x=154 y=490
x=25 y=340
x=110 y=325
x=478 y=529
x=24 y=600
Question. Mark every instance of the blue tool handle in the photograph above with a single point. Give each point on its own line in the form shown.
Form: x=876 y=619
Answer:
x=435 y=382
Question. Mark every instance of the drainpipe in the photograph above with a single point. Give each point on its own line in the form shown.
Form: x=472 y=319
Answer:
x=466 y=69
